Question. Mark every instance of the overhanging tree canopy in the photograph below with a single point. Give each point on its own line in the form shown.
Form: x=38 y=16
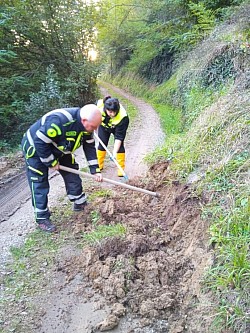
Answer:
x=35 y=34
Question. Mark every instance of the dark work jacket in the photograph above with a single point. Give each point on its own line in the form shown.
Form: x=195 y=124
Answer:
x=61 y=132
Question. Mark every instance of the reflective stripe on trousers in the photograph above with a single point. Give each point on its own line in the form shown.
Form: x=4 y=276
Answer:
x=37 y=174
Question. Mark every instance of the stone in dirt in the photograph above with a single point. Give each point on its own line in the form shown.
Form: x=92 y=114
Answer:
x=108 y=324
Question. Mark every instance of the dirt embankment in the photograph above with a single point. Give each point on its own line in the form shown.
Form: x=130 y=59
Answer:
x=154 y=272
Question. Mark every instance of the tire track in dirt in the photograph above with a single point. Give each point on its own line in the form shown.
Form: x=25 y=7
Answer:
x=13 y=194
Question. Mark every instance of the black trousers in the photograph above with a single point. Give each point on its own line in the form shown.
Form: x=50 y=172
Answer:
x=104 y=135
x=37 y=174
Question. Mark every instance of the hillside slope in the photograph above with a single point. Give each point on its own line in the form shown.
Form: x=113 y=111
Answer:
x=211 y=90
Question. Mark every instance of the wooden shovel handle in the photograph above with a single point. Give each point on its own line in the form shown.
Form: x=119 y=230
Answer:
x=130 y=187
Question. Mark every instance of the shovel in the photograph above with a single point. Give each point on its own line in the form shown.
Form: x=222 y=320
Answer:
x=85 y=174
x=111 y=156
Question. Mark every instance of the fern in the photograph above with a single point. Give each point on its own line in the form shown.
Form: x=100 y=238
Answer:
x=204 y=23
x=205 y=17
x=6 y=56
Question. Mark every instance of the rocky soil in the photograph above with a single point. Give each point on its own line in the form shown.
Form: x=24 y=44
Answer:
x=146 y=281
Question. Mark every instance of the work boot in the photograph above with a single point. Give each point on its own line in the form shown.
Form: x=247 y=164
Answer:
x=79 y=207
x=101 y=157
x=46 y=225
x=120 y=157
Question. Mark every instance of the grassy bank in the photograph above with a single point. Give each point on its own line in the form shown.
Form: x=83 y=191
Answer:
x=208 y=134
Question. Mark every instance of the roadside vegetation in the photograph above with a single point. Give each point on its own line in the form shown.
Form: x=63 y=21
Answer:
x=45 y=62
x=204 y=109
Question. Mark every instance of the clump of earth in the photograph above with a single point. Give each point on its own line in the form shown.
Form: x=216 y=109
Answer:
x=153 y=273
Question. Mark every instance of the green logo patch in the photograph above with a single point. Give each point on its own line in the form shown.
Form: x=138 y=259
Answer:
x=51 y=132
x=71 y=133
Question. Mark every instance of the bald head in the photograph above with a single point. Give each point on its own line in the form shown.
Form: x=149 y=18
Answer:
x=91 y=117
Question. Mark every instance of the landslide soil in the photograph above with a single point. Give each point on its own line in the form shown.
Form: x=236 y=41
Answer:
x=148 y=280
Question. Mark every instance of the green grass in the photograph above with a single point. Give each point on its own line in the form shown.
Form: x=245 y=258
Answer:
x=102 y=232
x=30 y=263
x=170 y=118
x=62 y=212
x=103 y=193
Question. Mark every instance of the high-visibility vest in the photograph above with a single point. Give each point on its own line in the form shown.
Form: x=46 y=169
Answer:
x=112 y=121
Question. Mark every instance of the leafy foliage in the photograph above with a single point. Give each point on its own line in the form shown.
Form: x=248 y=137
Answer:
x=146 y=38
x=46 y=99
x=6 y=56
x=35 y=35
x=204 y=21
x=19 y=115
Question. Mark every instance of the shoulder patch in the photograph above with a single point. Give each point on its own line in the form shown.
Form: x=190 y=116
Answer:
x=51 y=132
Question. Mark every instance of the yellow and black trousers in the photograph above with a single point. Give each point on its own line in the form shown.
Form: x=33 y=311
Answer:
x=104 y=135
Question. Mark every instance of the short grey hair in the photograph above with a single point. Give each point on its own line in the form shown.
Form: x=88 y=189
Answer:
x=89 y=111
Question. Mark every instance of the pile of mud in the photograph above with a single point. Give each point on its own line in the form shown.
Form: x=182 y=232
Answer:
x=154 y=272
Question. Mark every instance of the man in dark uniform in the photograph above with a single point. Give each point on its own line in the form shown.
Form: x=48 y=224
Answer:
x=50 y=142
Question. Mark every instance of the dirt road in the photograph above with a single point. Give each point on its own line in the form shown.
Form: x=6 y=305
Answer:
x=67 y=312
x=142 y=138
